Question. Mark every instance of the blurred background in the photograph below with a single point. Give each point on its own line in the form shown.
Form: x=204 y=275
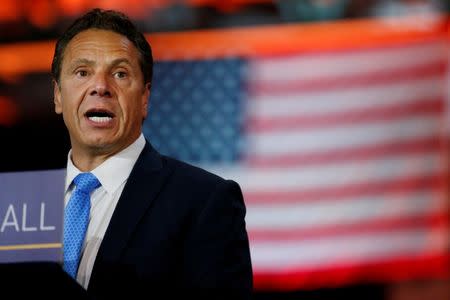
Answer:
x=333 y=115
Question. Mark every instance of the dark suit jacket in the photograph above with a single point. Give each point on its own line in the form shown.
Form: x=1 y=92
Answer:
x=176 y=229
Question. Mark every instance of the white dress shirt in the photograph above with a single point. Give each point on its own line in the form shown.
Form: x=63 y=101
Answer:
x=112 y=174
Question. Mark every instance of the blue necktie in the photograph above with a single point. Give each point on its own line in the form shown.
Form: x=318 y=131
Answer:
x=76 y=219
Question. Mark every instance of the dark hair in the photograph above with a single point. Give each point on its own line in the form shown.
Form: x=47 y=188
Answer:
x=108 y=20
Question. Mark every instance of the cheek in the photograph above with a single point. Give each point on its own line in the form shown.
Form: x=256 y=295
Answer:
x=70 y=104
x=131 y=104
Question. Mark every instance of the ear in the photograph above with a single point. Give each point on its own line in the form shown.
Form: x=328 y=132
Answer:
x=145 y=99
x=57 y=97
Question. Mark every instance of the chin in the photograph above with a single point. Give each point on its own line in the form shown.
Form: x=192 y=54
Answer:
x=100 y=144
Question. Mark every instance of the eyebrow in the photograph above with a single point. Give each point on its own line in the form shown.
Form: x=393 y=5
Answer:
x=82 y=61
x=85 y=61
x=118 y=61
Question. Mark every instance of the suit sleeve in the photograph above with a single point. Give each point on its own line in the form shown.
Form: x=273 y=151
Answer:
x=218 y=255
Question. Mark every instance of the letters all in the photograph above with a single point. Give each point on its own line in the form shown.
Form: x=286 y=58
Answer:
x=10 y=220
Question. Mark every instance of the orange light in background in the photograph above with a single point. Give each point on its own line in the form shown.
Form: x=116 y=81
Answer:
x=9 y=11
x=41 y=13
x=24 y=58
x=133 y=8
x=73 y=7
x=9 y=113
x=228 y=6
x=136 y=9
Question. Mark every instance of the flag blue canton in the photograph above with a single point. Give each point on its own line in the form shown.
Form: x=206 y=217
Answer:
x=196 y=110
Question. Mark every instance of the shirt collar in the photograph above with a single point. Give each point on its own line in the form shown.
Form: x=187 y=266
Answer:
x=119 y=164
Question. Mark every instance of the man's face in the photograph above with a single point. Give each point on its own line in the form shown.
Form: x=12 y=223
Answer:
x=101 y=92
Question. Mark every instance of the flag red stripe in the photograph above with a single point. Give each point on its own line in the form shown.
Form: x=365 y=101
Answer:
x=258 y=124
x=435 y=220
x=401 y=268
x=361 y=153
x=262 y=87
x=429 y=182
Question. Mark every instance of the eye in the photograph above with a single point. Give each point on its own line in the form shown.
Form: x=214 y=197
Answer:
x=120 y=74
x=81 y=73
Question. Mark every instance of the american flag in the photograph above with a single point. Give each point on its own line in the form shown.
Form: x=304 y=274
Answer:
x=341 y=155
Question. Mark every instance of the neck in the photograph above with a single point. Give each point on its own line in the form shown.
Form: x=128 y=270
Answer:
x=87 y=163
x=87 y=158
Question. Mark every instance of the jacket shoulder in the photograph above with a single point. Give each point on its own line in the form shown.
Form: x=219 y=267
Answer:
x=193 y=174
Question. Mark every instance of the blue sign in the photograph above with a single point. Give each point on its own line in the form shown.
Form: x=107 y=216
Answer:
x=31 y=215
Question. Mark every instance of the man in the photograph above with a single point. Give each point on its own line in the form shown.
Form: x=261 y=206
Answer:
x=156 y=224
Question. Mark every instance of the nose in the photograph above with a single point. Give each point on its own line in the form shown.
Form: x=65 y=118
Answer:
x=100 y=86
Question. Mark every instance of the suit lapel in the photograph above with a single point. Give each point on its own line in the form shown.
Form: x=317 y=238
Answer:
x=141 y=189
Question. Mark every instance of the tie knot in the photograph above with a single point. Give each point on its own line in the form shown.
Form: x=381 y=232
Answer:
x=86 y=182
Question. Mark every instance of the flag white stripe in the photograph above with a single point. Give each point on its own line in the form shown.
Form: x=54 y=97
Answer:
x=331 y=101
x=356 y=248
x=307 y=215
x=325 y=65
x=346 y=136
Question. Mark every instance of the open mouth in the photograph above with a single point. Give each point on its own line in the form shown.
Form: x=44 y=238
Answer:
x=99 y=116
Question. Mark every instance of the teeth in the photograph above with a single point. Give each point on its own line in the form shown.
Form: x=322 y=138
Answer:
x=100 y=119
